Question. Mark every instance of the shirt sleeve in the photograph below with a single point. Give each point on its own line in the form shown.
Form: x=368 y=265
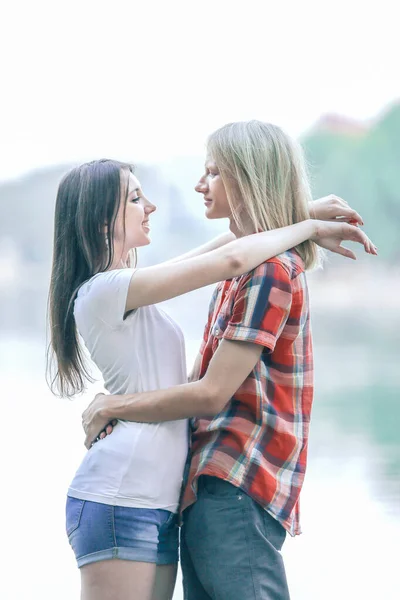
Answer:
x=261 y=307
x=106 y=296
x=210 y=314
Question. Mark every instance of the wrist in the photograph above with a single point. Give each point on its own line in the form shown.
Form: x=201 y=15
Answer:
x=108 y=409
x=314 y=224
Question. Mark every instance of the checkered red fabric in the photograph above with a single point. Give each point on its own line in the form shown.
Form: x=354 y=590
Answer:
x=258 y=442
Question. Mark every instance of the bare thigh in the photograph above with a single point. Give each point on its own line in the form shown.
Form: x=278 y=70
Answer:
x=165 y=582
x=118 y=580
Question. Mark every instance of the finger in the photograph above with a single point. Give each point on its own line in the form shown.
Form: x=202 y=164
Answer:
x=351 y=215
x=350 y=232
x=109 y=429
x=114 y=422
x=344 y=220
x=102 y=435
x=368 y=245
x=344 y=252
x=84 y=420
x=371 y=248
x=354 y=234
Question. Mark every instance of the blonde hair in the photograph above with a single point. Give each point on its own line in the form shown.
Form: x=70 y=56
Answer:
x=264 y=174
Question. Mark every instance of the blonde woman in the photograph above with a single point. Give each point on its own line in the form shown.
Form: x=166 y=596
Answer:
x=252 y=385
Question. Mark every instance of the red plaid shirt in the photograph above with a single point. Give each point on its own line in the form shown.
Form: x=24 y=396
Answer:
x=258 y=442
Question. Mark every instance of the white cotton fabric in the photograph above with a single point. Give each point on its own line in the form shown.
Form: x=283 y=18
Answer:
x=139 y=464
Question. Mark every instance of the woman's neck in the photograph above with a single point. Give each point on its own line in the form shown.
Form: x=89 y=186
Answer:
x=246 y=228
x=119 y=261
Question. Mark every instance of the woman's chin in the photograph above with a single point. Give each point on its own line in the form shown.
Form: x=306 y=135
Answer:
x=144 y=241
x=211 y=213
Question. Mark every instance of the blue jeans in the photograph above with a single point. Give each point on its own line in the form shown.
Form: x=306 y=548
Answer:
x=101 y=532
x=230 y=547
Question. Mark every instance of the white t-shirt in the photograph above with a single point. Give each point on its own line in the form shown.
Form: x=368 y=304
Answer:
x=139 y=464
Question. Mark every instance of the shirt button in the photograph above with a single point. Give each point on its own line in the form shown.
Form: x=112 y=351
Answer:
x=216 y=331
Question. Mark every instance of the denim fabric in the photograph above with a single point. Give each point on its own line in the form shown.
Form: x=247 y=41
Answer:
x=230 y=547
x=102 y=532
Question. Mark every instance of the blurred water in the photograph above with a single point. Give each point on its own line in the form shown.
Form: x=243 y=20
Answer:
x=350 y=502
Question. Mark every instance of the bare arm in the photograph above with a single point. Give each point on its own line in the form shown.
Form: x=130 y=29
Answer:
x=327 y=208
x=215 y=243
x=195 y=372
x=229 y=367
x=168 y=280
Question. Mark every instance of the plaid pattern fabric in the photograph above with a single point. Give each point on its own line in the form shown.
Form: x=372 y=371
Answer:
x=259 y=441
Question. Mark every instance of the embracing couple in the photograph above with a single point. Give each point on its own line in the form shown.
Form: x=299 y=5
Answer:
x=250 y=392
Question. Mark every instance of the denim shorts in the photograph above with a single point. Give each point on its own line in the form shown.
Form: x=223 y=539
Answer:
x=102 y=532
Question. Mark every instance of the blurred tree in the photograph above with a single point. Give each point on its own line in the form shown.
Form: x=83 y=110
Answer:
x=363 y=166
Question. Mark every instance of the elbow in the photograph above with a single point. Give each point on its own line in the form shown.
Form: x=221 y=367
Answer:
x=214 y=401
x=235 y=263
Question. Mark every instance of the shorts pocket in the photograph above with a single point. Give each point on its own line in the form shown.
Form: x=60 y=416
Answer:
x=73 y=513
x=169 y=523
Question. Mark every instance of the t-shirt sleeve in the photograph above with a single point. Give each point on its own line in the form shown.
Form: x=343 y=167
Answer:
x=261 y=306
x=106 y=296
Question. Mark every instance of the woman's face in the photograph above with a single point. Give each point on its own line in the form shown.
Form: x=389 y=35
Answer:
x=137 y=213
x=213 y=190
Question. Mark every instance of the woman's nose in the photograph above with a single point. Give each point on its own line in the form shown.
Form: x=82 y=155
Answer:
x=150 y=208
x=201 y=186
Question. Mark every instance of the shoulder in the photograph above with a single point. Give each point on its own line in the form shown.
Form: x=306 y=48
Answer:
x=292 y=262
x=106 y=282
x=284 y=267
x=103 y=297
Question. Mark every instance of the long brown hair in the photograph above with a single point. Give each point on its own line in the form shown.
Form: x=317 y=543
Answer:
x=264 y=173
x=87 y=204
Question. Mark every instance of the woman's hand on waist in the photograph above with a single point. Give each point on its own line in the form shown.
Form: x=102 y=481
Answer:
x=96 y=421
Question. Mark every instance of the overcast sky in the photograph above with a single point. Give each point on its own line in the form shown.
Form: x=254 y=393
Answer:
x=148 y=81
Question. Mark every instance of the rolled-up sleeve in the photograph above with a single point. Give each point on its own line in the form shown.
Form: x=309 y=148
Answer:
x=262 y=306
x=211 y=309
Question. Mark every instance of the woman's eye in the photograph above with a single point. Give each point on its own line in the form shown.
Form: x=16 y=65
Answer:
x=135 y=199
